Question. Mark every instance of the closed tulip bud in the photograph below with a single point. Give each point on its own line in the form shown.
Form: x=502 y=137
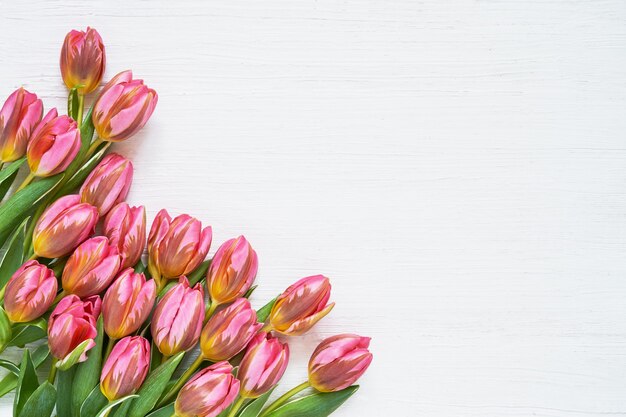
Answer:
x=176 y=247
x=177 y=319
x=63 y=226
x=83 y=60
x=19 y=116
x=262 y=366
x=232 y=271
x=53 y=145
x=108 y=184
x=125 y=227
x=124 y=107
x=91 y=268
x=126 y=367
x=301 y=306
x=338 y=362
x=127 y=304
x=208 y=393
x=229 y=331
x=73 y=323
x=30 y=292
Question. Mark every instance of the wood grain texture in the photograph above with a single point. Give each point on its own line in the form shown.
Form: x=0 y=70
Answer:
x=457 y=167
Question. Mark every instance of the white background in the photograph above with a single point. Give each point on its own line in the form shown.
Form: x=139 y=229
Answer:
x=458 y=168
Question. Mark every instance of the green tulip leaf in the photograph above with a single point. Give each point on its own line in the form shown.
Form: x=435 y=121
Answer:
x=199 y=273
x=250 y=291
x=320 y=404
x=153 y=387
x=6 y=330
x=253 y=409
x=12 y=258
x=264 y=312
x=88 y=373
x=6 y=185
x=94 y=402
x=73 y=104
x=27 y=383
x=8 y=174
x=41 y=402
x=105 y=411
x=74 y=357
x=86 y=134
x=81 y=174
x=9 y=382
x=10 y=366
x=165 y=411
x=31 y=331
x=64 y=392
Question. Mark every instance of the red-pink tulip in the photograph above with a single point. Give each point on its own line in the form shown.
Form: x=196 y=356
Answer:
x=177 y=319
x=338 y=362
x=125 y=227
x=83 y=60
x=127 y=303
x=124 y=107
x=301 y=306
x=262 y=366
x=63 y=226
x=229 y=331
x=19 y=116
x=91 y=268
x=108 y=184
x=53 y=145
x=30 y=292
x=232 y=271
x=71 y=323
x=176 y=247
x=208 y=393
x=126 y=367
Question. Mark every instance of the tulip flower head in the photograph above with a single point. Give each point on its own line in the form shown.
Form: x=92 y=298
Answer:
x=91 y=268
x=125 y=227
x=124 y=107
x=338 y=362
x=127 y=304
x=53 y=145
x=229 y=331
x=83 y=60
x=262 y=366
x=301 y=306
x=208 y=393
x=232 y=271
x=177 y=319
x=126 y=367
x=30 y=292
x=72 y=323
x=63 y=226
x=177 y=246
x=19 y=116
x=108 y=184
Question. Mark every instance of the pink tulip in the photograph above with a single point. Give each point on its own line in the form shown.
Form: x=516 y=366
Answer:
x=339 y=361
x=91 y=268
x=30 y=292
x=208 y=393
x=53 y=145
x=301 y=306
x=232 y=271
x=83 y=60
x=108 y=184
x=127 y=304
x=63 y=226
x=19 y=116
x=262 y=366
x=71 y=323
x=126 y=367
x=229 y=331
x=177 y=319
x=124 y=107
x=126 y=228
x=176 y=247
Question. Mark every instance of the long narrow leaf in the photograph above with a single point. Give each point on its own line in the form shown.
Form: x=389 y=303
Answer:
x=88 y=372
x=9 y=382
x=12 y=258
x=27 y=383
x=41 y=402
x=320 y=404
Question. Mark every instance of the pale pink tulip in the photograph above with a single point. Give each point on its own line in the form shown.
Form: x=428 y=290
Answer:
x=262 y=366
x=126 y=228
x=108 y=184
x=71 y=323
x=83 y=60
x=30 y=292
x=126 y=367
x=91 y=268
x=19 y=116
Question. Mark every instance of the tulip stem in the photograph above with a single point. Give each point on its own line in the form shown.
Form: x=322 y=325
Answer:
x=59 y=297
x=210 y=311
x=236 y=407
x=92 y=148
x=110 y=345
x=181 y=381
x=286 y=396
x=81 y=104
x=53 y=371
x=26 y=181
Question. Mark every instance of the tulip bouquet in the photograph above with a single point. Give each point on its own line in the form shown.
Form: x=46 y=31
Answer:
x=77 y=293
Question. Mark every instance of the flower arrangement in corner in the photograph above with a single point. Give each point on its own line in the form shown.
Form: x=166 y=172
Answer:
x=116 y=328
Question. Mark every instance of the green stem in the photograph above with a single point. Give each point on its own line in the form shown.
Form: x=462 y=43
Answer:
x=267 y=328
x=81 y=104
x=59 y=297
x=53 y=371
x=110 y=345
x=181 y=381
x=210 y=311
x=26 y=181
x=92 y=148
x=284 y=398
x=236 y=407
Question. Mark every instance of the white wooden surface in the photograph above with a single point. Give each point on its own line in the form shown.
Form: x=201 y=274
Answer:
x=457 y=167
